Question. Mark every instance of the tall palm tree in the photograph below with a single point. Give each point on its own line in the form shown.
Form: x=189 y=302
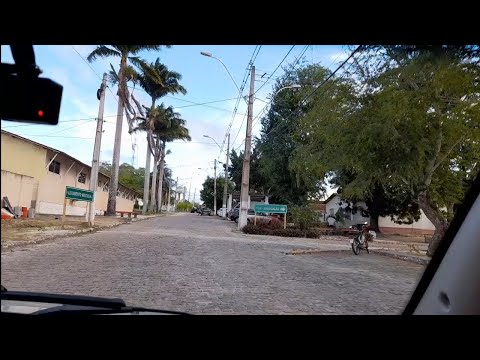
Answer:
x=175 y=130
x=147 y=78
x=125 y=53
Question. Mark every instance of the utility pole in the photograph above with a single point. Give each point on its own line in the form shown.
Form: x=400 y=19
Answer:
x=215 y=186
x=176 y=194
x=194 y=191
x=189 y=190
x=225 y=187
x=242 y=220
x=169 y=187
x=96 y=151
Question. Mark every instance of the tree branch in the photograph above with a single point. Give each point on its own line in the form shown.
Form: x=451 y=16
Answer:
x=431 y=164
x=447 y=153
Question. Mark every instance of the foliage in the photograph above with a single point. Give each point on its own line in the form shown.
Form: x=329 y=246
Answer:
x=288 y=232
x=277 y=142
x=206 y=193
x=127 y=175
x=304 y=216
x=396 y=131
x=184 y=206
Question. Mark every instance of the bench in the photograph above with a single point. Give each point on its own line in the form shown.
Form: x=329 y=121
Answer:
x=129 y=213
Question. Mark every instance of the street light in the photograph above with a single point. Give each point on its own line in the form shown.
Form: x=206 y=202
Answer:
x=294 y=86
x=207 y=54
x=225 y=185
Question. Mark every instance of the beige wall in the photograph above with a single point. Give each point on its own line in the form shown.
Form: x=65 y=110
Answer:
x=21 y=157
x=422 y=224
x=20 y=189
x=26 y=178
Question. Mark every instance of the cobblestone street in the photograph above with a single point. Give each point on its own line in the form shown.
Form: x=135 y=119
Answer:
x=202 y=265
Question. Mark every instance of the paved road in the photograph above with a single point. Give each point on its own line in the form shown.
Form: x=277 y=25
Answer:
x=201 y=265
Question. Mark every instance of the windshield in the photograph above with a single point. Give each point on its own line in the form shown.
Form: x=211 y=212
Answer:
x=234 y=179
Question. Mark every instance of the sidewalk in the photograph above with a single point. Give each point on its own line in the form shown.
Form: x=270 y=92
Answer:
x=403 y=250
x=22 y=232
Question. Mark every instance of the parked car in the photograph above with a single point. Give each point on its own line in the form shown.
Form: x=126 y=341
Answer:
x=194 y=210
x=205 y=211
x=220 y=211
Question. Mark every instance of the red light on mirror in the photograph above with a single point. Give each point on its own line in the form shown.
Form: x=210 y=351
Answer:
x=40 y=113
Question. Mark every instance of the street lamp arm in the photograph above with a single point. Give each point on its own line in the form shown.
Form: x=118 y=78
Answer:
x=231 y=77
x=216 y=143
x=295 y=86
x=207 y=54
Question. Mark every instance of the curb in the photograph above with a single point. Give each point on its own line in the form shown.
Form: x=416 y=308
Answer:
x=18 y=245
x=414 y=259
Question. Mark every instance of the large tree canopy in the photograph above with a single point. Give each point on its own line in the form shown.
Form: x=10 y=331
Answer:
x=406 y=131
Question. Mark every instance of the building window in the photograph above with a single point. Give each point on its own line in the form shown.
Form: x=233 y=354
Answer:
x=105 y=187
x=82 y=178
x=332 y=211
x=99 y=183
x=54 y=167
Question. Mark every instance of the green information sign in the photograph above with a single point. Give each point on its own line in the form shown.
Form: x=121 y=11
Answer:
x=78 y=194
x=271 y=208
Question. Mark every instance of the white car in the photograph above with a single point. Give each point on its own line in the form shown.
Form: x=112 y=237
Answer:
x=220 y=211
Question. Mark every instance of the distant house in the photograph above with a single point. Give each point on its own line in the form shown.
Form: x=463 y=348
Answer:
x=35 y=176
x=334 y=206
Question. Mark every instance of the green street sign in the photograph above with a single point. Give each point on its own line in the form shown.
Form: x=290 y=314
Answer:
x=271 y=208
x=78 y=194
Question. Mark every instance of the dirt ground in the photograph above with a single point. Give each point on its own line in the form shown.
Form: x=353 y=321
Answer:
x=30 y=231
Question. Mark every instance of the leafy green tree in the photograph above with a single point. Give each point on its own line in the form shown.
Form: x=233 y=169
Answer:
x=407 y=131
x=206 y=193
x=278 y=142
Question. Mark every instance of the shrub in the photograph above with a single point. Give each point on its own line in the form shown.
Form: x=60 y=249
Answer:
x=312 y=233
x=304 y=216
x=255 y=230
x=288 y=232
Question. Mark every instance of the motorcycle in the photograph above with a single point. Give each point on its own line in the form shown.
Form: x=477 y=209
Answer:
x=360 y=241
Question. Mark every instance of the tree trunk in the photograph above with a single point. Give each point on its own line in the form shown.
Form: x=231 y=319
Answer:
x=112 y=193
x=146 y=183
x=437 y=220
x=160 y=177
x=374 y=222
x=153 y=188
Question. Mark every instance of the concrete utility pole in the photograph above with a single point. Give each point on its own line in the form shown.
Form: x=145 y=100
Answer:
x=194 y=191
x=225 y=187
x=242 y=220
x=96 y=152
x=215 y=186
x=168 y=204
x=176 y=194
x=146 y=187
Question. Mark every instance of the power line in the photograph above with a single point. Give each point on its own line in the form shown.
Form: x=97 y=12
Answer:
x=333 y=73
x=86 y=62
x=316 y=88
x=281 y=62
x=61 y=122
x=299 y=57
x=321 y=85
x=240 y=93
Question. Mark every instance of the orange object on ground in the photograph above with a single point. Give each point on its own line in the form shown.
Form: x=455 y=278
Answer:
x=6 y=215
x=24 y=212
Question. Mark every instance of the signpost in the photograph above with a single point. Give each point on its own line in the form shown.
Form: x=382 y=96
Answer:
x=274 y=209
x=75 y=194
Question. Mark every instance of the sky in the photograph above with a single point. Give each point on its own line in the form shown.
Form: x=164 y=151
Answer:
x=206 y=81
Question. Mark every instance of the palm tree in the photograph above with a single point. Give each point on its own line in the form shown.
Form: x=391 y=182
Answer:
x=125 y=53
x=175 y=130
x=147 y=78
x=167 y=126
